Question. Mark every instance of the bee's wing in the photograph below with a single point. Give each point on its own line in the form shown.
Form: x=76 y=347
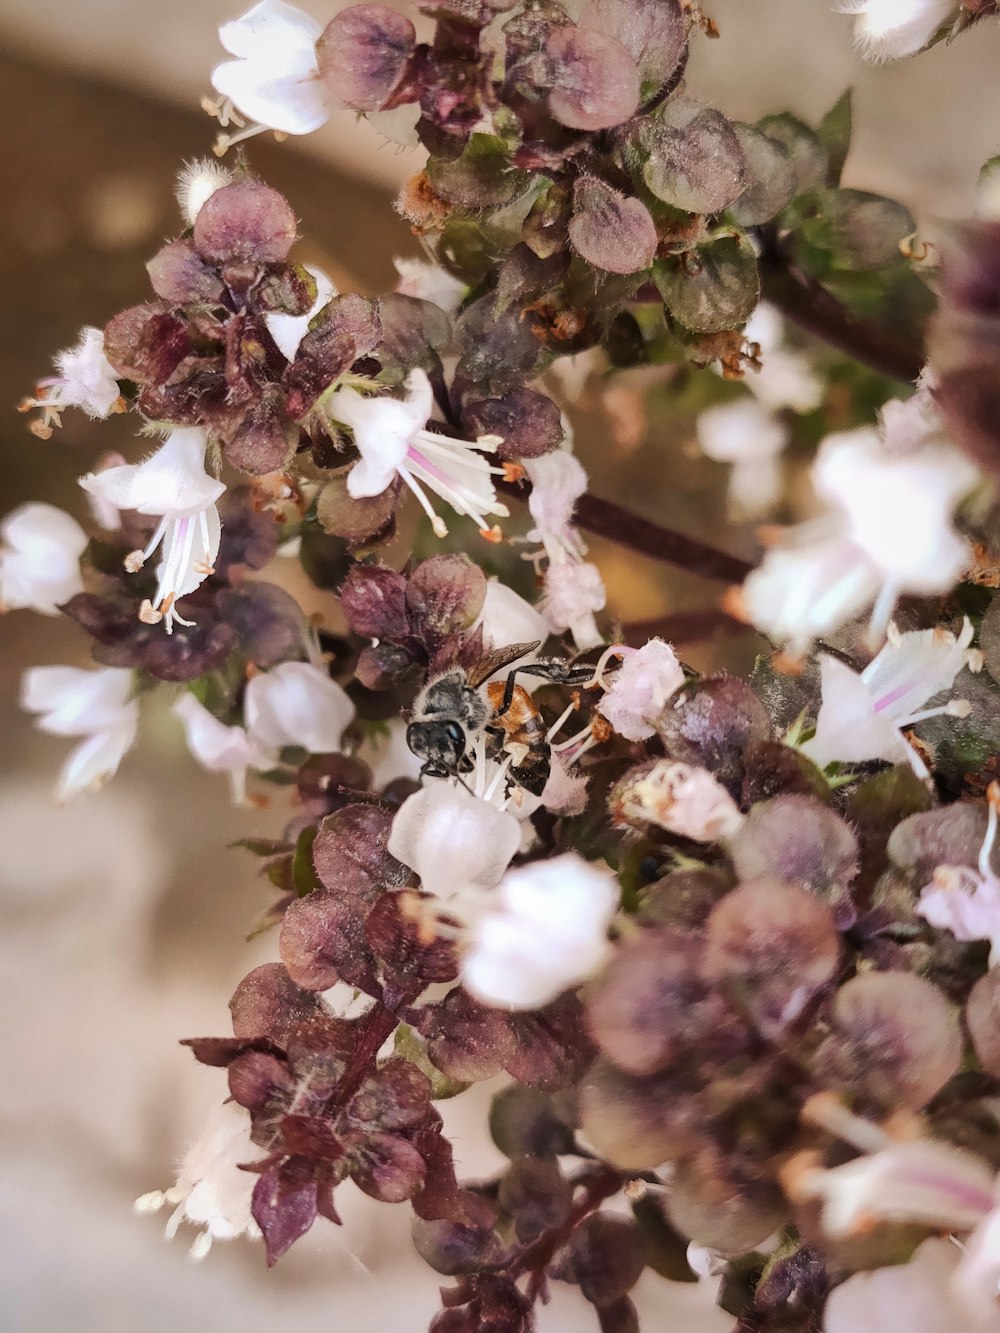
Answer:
x=488 y=666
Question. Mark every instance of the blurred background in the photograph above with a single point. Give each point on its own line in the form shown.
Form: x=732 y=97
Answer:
x=122 y=917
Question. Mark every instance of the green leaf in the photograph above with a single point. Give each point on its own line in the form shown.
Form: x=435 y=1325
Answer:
x=718 y=291
x=481 y=178
x=809 y=157
x=861 y=231
x=773 y=180
x=303 y=872
x=260 y=846
x=834 y=132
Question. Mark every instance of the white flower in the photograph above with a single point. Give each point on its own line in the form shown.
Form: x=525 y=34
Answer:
x=457 y=843
x=94 y=704
x=804 y=590
x=172 y=484
x=898 y=503
x=862 y=715
x=429 y=282
x=557 y=482
x=391 y=437
x=786 y=378
x=891 y=29
x=507 y=618
x=289 y=330
x=640 y=688
x=572 y=591
x=988 y=190
x=918 y=1296
x=40 y=549
x=219 y=748
x=296 y=703
x=86 y=379
x=274 y=80
x=964 y=900
x=681 y=798
x=546 y=929
x=888 y=529
x=196 y=184
x=211 y=1191
x=749 y=437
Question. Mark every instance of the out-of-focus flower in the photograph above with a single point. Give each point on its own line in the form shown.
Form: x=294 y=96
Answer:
x=85 y=380
x=891 y=29
x=458 y=843
x=988 y=190
x=750 y=438
x=391 y=436
x=573 y=592
x=919 y=1296
x=40 y=549
x=96 y=705
x=172 y=484
x=211 y=1192
x=429 y=282
x=681 y=798
x=786 y=378
x=898 y=502
x=749 y=434
x=862 y=715
x=196 y=183
x=888 y=530
x=546 y=929
x=966 y=900
x=296 y=703
x=640 y=688
x=219 y=748
x=274 y=80
x=289 y=330
x=573 y=589
x=934 y=1184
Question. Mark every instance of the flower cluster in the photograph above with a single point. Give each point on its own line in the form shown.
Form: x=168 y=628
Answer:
x=730 y=944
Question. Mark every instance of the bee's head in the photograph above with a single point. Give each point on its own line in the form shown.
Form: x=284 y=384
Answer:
x=441 y=745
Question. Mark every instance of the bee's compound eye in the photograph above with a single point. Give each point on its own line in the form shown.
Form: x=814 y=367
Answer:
x=456 y=735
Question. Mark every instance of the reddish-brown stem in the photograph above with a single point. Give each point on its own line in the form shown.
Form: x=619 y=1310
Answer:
x=377 y=1026
x=599 y=1184
x=808 y=304
x=701 y=622
x=603 y=518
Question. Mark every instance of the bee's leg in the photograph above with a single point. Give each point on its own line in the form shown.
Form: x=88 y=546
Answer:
x=560 y=673
x=495 y=738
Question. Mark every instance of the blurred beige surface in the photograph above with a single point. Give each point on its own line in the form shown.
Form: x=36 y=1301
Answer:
x=122 y=917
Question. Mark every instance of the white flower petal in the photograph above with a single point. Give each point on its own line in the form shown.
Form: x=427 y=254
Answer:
x=507 y=618
x=289 y=330
x=453 y=840
x=94 y=760
x=218 y=748
x=914 y=668
x=76 y=701
x=913 y=1296
x=640 y=689
x=296 y=703
x=40 y=549
x=172 y=481
x=545 y=931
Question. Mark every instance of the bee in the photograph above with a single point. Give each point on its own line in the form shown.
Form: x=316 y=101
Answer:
x=458 y=707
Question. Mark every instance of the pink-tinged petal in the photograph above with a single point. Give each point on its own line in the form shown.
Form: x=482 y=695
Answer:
x=848 y=728
x=914 y=668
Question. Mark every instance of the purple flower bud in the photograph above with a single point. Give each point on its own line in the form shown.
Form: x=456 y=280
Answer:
x=363 y=54
x=245 y=221
x=612 y=232
x=593 y=80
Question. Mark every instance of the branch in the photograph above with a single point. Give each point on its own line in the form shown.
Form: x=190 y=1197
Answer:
x=693 y=626
x=603 y=518
x=808 y=304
